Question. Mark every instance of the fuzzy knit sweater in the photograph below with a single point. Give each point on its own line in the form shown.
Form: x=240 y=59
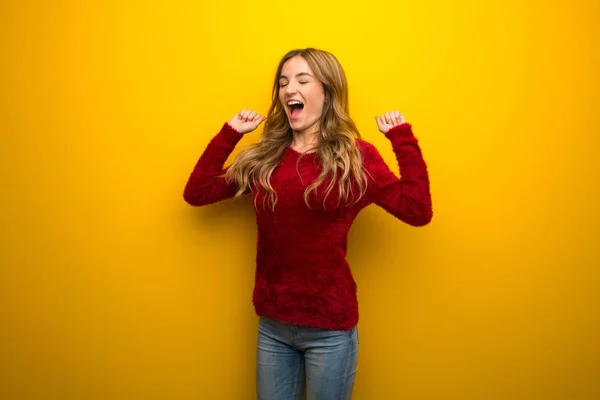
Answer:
x=302 y=276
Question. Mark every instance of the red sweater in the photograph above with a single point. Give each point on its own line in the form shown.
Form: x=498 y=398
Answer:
x=302 y=276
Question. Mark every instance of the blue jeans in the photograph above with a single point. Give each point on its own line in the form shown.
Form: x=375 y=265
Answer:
x=289 y=355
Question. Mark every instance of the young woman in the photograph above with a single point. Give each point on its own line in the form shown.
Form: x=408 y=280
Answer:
x=309 y=176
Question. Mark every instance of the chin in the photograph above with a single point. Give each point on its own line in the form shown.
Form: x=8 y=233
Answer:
x=302 y=126
x=296 y=125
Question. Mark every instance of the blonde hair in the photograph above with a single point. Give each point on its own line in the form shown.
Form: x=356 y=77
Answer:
x=340 y=158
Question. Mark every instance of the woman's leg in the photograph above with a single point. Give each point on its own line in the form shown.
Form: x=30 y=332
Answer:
x=331 y=359
x=279 y=366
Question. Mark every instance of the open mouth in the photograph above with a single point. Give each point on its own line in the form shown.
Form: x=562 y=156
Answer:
x=295 y=108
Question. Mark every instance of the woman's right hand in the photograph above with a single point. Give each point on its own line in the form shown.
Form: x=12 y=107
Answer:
x=246 y=121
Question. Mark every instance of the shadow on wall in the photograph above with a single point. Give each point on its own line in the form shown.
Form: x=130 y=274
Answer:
x=372 y=240
x=237 y=212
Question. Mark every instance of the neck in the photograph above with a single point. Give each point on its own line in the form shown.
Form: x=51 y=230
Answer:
x=305 y=140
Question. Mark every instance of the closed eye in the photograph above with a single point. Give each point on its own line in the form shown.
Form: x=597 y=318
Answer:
x=285 y=84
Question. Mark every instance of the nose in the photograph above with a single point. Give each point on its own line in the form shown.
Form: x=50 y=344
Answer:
x=290 y=88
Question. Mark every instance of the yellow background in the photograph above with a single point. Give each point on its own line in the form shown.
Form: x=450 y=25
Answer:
x=111 y=287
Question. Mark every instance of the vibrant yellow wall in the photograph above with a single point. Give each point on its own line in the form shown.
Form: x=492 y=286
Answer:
x=111 y=287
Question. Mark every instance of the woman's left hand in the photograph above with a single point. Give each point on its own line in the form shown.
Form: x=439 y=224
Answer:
x=389 y=120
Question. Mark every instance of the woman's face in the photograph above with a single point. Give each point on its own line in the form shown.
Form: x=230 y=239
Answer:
x=301 y=94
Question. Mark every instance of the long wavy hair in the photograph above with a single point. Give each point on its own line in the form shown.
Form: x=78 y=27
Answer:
x=340 y=158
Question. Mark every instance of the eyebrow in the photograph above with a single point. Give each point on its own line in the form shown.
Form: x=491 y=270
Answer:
x=297 y=75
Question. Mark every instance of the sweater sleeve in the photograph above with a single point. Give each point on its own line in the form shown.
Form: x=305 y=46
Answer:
x=407 y=198
x=205 y=185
